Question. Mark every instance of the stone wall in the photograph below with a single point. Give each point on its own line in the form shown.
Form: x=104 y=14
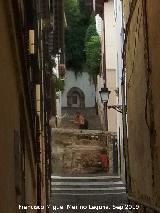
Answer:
x=76 y=153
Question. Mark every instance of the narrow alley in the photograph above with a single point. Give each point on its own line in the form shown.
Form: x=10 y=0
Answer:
x=88 y=194
x=80 y=106
x=79 y=183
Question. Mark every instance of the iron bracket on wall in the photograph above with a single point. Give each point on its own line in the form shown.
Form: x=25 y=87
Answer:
x=118 y=108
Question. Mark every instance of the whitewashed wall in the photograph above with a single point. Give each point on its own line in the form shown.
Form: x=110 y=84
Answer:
x=107 y=33
x=84 y=83
x=110 y=35
x=100 y=83
x=120 y=41
x=111 y=61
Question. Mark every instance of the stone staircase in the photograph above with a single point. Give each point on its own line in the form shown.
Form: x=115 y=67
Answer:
x=90 y=114
x=92 y=185
x=88 y=194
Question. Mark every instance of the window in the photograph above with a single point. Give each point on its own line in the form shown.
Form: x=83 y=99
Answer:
x=74 y=99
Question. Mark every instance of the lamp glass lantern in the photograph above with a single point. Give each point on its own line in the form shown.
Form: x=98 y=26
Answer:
x=104 y=94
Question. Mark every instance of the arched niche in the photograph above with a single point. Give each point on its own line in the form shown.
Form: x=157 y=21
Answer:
x=75 y=98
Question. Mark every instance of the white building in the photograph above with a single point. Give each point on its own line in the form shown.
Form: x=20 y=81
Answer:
x=109 y=65
x=55 y=121
x=118 y=11
x=110 y=57
x=112 y=40
x=79 y=90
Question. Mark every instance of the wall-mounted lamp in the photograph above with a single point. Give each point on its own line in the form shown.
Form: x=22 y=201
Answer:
x=104 y=94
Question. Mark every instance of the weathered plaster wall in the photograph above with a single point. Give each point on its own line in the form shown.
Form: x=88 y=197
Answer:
x=100 y=105
x=111 y=60
x=9 y=112
x=108 y=46
x=10 y=122
x=112 y=114
x=153 y=12
x=118 y=10
x=143 y=101
x=83 y=82
x=110 y=35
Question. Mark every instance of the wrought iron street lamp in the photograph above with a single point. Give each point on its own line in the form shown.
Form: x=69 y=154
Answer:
x=104 y=94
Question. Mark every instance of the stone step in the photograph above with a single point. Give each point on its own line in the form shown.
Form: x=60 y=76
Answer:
x=85 y=178
x=87 y=185
x=89 y=112
x=112 y=190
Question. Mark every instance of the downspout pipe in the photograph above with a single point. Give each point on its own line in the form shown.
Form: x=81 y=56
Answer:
x=124 y=118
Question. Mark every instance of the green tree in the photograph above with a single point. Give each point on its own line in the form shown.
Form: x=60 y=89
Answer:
x=59 y=85
x=82 y=43
x=77 y=24
x=92 y=49
x=93 y=55
x=91 y=31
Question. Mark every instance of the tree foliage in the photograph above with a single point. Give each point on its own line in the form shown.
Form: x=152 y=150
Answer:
x=59 y=85
x=93 y=53
x=77 y=24
x=93 y=49
x=91 y=30
x=81 y=38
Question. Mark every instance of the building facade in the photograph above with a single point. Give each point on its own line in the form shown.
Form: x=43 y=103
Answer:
x=141 y=54
x=107 y=77
x=118 y=14
x=111 y=75
x=18 y=182
x=110 y=43
x=79 y=90
x=28 y=97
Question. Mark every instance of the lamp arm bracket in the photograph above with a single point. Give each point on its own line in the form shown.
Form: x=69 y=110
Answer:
x=118 y=108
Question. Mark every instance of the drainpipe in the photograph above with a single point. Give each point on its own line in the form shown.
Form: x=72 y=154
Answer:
x=124 y=121
x=105 y=73
x=125 y=138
